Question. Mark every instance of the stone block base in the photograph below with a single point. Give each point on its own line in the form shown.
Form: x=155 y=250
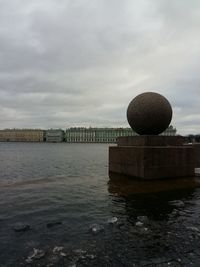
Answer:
x=150 y=140
x=152 y=162
x=197 y=154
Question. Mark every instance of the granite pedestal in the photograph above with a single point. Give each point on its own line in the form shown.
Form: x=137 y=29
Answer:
x=152 y=157
x=197 y=154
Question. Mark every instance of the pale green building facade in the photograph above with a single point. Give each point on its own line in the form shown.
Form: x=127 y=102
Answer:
x=102 y=135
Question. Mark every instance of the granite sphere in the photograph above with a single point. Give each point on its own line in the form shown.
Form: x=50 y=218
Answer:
x=149 y=114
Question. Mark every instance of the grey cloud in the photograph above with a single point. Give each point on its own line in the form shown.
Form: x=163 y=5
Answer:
x=68 y=62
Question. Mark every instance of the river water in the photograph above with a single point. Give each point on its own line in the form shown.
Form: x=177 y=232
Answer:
x=58 y=207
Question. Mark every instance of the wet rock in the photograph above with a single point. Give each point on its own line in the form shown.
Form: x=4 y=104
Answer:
x=96 y=228
x=143 y=219
x=139 y=224
x=112 y=220
x=57 y=250
x=80 y=251
x=82 y=256
x=52 y=224
x=20 y=227
x=141 y=231
x=62 y=254
x=90 y=256
x=79 y=254
x=36 y=255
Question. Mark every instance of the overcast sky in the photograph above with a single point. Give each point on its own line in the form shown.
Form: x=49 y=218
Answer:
x=70 y=63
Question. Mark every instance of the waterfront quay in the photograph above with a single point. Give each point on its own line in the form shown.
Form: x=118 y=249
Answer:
x=71 y=135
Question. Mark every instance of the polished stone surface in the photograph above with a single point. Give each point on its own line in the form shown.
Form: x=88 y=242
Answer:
x=149 y=113
x=152 y=162
x=150 y=140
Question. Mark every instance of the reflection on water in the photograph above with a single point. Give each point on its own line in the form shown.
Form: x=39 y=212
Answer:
x=60 y=190
x=156 y=206
x=123 y=185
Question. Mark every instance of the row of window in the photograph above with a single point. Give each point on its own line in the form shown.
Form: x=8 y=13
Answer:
x=92 y=140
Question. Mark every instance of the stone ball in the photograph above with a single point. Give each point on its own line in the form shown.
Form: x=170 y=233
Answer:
x=149 y=113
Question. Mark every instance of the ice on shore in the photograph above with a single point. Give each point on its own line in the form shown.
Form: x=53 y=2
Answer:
x=112 y=220
x=37 y=254
x=96 y=228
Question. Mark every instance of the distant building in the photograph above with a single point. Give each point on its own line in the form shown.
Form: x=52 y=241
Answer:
x=170 y=131
x=54 y=135
x=72 y=135
x=21 y=135
x=102 y=135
